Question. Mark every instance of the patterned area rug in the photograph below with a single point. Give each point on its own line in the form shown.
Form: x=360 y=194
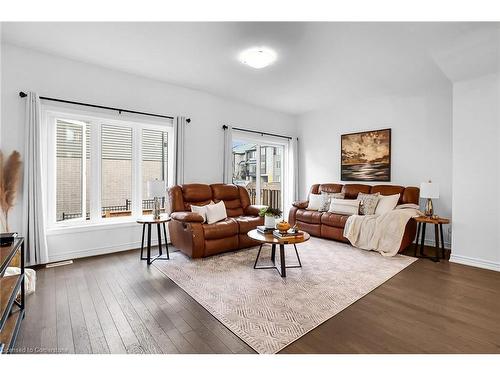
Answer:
x=269 y=312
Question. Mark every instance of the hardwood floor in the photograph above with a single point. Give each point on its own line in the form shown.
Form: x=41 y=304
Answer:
x=117 y=304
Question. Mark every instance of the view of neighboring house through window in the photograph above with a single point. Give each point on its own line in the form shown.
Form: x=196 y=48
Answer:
x=116 y=170
x=264 y=184
x=102 y=166
x=154 y=163
x=72 y=169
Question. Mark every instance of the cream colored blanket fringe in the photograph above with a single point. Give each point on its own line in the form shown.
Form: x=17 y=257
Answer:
x=382 y=233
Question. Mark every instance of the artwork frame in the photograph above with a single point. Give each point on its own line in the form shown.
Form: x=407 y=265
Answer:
x=366 y=156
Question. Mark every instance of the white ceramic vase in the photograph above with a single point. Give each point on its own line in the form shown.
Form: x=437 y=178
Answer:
x=269 y=221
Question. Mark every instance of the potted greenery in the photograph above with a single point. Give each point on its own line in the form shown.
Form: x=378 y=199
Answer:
x=270 y=215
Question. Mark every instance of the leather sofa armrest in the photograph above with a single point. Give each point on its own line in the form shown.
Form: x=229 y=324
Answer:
x=254 y=209
x=190 y=217
x=300 y=204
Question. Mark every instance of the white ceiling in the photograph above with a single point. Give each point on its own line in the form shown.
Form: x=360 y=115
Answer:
x=318 y=63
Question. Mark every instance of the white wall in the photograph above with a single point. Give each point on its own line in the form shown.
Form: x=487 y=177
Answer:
x=421 y=140
x=476 y=164
x=24 y=69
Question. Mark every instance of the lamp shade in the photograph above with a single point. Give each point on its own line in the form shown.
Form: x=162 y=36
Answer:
x=155 y=188
x=429 y=190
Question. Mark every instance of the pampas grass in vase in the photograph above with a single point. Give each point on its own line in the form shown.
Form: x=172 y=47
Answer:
x=10 y=174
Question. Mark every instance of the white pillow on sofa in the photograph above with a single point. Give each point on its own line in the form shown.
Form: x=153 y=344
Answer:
x=216 y=212
x=315 y=201
x=201 y=210
x=386 y=203
x=407 y=205
x=344 y=206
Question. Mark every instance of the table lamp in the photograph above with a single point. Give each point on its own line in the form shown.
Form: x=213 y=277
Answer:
x=156 y=190
x=429 y=190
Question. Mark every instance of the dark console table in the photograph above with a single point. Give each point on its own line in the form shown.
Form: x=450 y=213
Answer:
x=11 y=306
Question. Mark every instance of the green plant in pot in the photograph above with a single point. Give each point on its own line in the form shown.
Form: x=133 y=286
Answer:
x=270 y=215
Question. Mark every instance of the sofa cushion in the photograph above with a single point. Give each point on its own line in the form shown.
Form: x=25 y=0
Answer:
x=306 y=216
x=334 y=220
x=330 y=188
x=247 y=223
x=389 y=190
x=351 y=191
x=312 y=229
x=233 y=208
x=197 y=194
x=410 y=195
x=225 y=228
x=230 y=194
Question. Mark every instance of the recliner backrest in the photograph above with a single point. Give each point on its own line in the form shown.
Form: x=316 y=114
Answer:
x=236 y=198
x=408 y=194
x=232 y=197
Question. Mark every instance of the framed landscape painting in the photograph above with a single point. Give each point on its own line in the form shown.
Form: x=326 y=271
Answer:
x=366 y=156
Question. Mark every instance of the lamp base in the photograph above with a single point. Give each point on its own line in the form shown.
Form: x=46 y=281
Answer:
x=429 y=209
x=156 y=208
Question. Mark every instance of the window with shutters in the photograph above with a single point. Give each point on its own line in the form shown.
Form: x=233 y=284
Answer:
x=98 y=167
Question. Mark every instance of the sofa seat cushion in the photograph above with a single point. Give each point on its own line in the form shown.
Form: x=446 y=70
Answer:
x=307 y=216
x=224 y=228
x=247 y=223
x=334 y=220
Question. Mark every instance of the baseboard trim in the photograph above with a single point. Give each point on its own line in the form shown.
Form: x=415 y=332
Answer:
x=475 y=262
x=97 y=251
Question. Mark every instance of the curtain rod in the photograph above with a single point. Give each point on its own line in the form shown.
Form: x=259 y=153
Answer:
x=119 y=110
x=258 y=132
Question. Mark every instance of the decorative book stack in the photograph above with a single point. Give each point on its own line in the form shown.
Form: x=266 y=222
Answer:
x=288 y=234
x=264 y=230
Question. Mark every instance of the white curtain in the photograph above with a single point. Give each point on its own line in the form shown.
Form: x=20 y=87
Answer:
x=293 y=173
x=34 y=210
x=180 y=129
x=227 y=172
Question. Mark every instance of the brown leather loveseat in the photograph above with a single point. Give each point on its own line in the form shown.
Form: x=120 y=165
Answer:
x=331 y=225
x=196 y=239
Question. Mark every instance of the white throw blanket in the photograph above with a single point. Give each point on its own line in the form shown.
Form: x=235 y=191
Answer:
x=382 y=233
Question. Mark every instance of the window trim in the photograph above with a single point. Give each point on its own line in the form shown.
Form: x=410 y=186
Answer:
x=97 y=119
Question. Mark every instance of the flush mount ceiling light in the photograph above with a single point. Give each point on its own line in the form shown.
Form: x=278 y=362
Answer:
x=258 y=57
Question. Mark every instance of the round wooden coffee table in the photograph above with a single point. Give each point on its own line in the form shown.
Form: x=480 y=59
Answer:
x=147 y=221
x=269 y=238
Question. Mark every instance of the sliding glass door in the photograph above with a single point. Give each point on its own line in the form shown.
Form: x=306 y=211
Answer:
x=258 y=166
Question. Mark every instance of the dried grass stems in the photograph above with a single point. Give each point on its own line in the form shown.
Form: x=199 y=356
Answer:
x=10 y=175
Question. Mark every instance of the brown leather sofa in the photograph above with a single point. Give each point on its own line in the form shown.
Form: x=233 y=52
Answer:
x=196 y=239
x=330 y=225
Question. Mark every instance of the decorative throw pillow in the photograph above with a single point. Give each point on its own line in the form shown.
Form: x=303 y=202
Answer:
x=326 y=199
x=368 y=203
x=216 y=212
x=201 y=210
x=386 y=203
x=344 y=206
x=314 y=202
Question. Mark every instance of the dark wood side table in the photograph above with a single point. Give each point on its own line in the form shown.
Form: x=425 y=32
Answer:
x=438 y=222
x=147 y=221
x=11 y=307
x=271 y=239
